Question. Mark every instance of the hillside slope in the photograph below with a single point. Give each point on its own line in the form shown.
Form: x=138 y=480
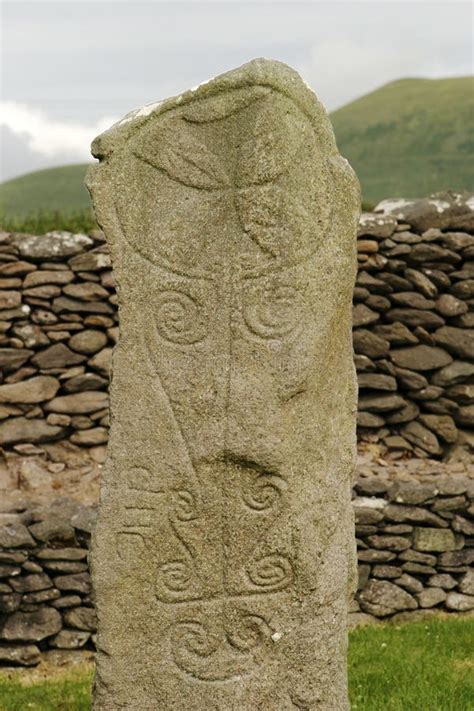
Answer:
x=411 y=137
x=54 y=189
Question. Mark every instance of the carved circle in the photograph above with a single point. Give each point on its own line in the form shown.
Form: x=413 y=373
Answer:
x=271 y=572
x=194 y=637
x=249 y=631
x=176 y=576
x=184 y=505
x=180 y=318
x=275 y=312
x=262 y=492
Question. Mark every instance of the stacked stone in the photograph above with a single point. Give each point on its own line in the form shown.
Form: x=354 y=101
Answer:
x=413 y=331
x=415 y=546
x=415 y=550
x=45 y=587
x=414 y=324
x=58 y=324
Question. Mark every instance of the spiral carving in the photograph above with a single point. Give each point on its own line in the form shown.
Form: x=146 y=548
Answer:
x=217 y=650
x=262 y=492
x=274 y=313
x=180 y=318
x=176 y=576
x=184 y=505
x=248 y=632
x=271 y=572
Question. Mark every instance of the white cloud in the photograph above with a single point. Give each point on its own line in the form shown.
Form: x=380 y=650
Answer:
x=343 y=70
x=50 y=137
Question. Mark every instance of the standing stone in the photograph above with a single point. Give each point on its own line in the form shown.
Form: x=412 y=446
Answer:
x=223 y=557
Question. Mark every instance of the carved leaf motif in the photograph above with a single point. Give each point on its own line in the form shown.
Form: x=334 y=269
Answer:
x=274 y=219
x=224 y=104
x=271 y=147
x=175 y=150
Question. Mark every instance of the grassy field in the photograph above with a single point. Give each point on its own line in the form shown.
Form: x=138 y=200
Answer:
x=426 y=666
x=53 y=190
x=411 y=137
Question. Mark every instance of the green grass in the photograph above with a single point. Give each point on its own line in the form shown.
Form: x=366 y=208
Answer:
x=42 y=221
x=53 y=190
x=425 y=666
x=411 y=137
x=71 y=691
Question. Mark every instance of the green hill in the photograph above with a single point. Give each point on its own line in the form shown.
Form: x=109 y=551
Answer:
x=411 y=137
x=54 y=189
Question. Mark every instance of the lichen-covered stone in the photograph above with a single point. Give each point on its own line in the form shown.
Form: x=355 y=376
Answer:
x=223 y=555
x=382 y=598
x=434 y=539
x=27 y=655
x=31 y=626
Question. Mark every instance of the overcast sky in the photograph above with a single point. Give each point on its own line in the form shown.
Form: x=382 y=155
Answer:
x=70 y=68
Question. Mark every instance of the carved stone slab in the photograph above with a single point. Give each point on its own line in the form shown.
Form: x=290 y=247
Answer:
x=223 y=557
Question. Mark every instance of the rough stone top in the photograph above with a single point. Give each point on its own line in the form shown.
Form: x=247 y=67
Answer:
x=247 y=83
x=252 y=150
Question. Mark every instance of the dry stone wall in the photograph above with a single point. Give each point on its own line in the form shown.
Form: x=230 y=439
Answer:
x=45 y=586
x=415 y=543
x=413 y=331
x=413 y=324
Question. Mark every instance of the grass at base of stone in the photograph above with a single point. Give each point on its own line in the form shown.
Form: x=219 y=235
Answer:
x=69 y=691
x=422 y=666
x=43 y=221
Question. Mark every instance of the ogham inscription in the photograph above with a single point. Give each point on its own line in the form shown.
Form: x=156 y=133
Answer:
x=223 y=556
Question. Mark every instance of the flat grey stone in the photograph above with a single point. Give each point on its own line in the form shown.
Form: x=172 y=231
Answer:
x=466 y=584
x=82 y=618
x=420 y=358
x=25 y=655
x=30 y=583
x=69 y=639
x=431 y=597
x=31 y=626
x=459 y=602
x=53 y=245
x=435 y=539
x=382 y=598
x=15 y=535
x=34 y=390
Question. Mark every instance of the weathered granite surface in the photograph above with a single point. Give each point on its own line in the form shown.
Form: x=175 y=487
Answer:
x=224 y=557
